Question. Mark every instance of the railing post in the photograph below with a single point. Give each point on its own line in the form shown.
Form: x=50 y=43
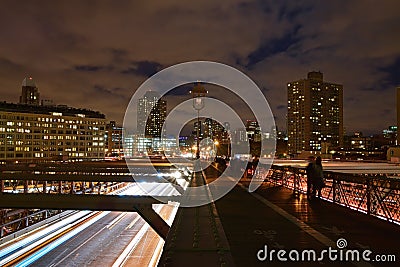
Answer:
x=83 y=187
x=44 y=187
x=368 y=182
x=334 y=188
x=72 y=188
x=294 y=182
x=26 y=186
x=26 y=218
x=2 y=221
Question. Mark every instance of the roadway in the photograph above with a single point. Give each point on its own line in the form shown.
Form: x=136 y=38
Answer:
x=100 y=244
x=101 y=239
x=96 y=238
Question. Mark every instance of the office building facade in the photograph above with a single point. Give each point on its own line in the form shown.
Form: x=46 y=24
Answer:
x=114 y=135
x=36 y=133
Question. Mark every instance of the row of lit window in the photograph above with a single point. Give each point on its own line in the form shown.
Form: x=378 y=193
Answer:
x=47 y=119
x=20 y=142
x=46 y=137
x=45 y=155
x=49 y=125
x=59 y=132
x=54 y=148
x=43 y=145
x=50 y=119
x=49 y=137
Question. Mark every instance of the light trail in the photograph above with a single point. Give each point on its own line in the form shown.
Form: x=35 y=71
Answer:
x=26 y=244
x=31 y=259
x=132 y=245
x=33 y=247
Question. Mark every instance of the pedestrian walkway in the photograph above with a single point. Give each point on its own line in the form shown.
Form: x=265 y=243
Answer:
x=273 y=218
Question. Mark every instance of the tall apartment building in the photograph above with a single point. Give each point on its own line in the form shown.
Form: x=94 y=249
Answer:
x=253 y=131
x=315 y=114
x=214 y=130
x=152 y=124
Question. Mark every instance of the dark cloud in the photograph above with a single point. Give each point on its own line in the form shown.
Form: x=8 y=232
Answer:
x=80 y=53
x=143 y=68
x=182 y=90
x=290 y=13
x=392 y=73
x=272 y=47
x=89 y=68
x=108 y=92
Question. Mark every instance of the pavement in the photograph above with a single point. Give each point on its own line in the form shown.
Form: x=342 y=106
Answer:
x=251 y=225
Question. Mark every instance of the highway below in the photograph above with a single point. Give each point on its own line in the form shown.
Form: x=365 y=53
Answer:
x=103 y=243
x=99 y=239
x=98 y=245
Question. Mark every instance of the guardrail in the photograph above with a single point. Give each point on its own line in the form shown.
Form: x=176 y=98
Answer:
x=35 y=188
x=374 y=194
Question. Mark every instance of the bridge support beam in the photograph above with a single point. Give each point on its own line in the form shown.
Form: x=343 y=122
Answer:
x=139 y=204
x=153 y=219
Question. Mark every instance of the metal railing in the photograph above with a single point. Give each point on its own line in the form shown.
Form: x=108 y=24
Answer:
x=377 y=195
x=26 y=219
x=43 y=188
x=24 y=179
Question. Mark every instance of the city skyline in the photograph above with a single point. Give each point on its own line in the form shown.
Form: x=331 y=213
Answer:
x=30 y=90
x=75 y=65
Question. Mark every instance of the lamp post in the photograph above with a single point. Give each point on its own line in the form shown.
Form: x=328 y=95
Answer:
x=216 y=144
x=198 y=93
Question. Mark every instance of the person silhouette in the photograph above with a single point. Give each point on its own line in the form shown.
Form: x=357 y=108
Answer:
x=309 y=173
x=318 y=178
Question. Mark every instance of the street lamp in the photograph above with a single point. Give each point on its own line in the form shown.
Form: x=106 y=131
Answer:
x=198 y=93
x=216 y=144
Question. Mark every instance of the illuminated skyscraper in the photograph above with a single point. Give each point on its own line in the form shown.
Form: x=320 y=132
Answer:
x=156 y=109
x=214 y=130
x=315 y=114
x=253 y=131
x=30 y=92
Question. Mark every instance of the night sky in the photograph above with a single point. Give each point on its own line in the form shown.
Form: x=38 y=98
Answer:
x=95 y=54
